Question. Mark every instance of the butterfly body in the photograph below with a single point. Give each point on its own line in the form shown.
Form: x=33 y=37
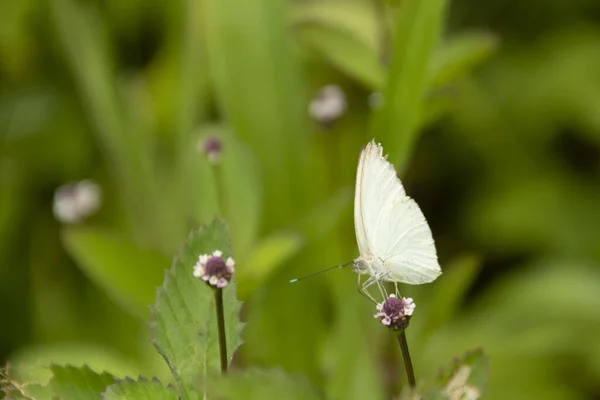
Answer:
x=369 y=264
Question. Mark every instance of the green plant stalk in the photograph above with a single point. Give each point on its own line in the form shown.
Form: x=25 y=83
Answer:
x=221 y=328
x=410 y=373
x=220 y=187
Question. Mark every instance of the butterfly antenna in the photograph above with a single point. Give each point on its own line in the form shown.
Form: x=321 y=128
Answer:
x=320 y=272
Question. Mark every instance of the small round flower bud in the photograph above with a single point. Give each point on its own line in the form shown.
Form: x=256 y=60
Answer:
x=214 y=270
x=376 y=100
x=395 y=313
x=212 y=147
x=328 y=105
x=75 y=201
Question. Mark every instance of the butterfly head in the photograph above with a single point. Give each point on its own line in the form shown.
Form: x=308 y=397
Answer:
x=361 y=266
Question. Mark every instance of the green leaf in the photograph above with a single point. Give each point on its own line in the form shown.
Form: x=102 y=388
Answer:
x=71 y=383
x=269 y=254
x=260 y=91
x=396 y=123
x=30 y=363
x=192 y=86
x=142 y=389
x=179 y=78
x=240 y=183
x=438 y=102
x=345 y=33
x=259 y=384
x=321 y=220
x=183 y=318
x=357 y=18
x=353 y=366
x=13 y=33
x=459 y=54
x=345 y=52
x=82 y=37
x=12 y=185
x=447 y=293
x=129 y=274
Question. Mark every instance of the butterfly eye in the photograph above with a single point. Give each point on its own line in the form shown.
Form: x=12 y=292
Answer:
x=360 y=266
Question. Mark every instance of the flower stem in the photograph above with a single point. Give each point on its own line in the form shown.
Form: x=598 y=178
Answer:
x=221 y=328
x=220 y=186
x=410 y=373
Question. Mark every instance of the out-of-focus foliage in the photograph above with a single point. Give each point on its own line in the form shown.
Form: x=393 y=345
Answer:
x=183 y=328
x=463 y=379
x=139 y=389
x=494 y=125
x=70 y=382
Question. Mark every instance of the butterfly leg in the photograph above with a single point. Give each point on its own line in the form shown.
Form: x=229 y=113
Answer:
x=376 y=279
x=382 y=289
x=362 y=289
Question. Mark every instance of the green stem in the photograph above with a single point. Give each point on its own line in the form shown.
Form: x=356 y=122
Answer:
x=220 y=187
x=221 y=327
x=410 y=373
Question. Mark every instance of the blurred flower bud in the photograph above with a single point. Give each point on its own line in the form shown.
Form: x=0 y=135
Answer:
x=376 y=100
x=212 y=147
x=75 y=201
x=214 y=270
x=328 y=105
x=395 y=312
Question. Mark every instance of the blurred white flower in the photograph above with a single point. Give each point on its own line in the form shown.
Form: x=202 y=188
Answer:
x=328 y=105
x=75 y=201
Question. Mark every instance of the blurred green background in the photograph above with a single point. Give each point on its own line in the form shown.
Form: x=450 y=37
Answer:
x=491 y=112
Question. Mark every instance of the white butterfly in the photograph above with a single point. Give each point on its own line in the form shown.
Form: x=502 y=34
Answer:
x=393 y=237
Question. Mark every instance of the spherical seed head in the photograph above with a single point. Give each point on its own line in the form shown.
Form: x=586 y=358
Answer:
x=212 y=147
x=214 y=270
x=395 y=312
x=215 y=266
x=393 y=306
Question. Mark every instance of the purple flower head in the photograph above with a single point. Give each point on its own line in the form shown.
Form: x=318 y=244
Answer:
x=395 y=312
x=212 y=147
x=214 y=270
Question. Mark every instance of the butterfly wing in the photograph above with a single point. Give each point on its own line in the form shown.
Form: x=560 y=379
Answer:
x=360 y=226
x=390 y=224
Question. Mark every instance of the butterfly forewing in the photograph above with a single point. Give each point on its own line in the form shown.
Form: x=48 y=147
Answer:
x=359 y=220
x=376 y=180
